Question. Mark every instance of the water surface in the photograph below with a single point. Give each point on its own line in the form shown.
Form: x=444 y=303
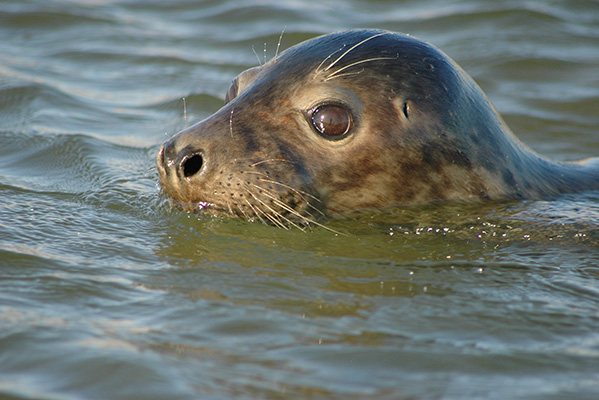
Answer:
x=105 y=292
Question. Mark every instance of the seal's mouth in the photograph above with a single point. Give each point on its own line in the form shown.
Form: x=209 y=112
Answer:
x=204 y=204
x=173 y=178
x=200 y=207
x=239 y=188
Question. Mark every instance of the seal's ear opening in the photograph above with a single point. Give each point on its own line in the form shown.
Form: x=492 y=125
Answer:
x=406 y=110
x=404 y=107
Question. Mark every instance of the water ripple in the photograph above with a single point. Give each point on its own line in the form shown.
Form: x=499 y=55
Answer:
x=106 y=292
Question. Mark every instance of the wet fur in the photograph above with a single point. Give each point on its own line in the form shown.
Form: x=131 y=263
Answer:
x=263 y=161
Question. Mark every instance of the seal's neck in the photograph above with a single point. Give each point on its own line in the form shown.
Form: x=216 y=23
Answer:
x=536 y=176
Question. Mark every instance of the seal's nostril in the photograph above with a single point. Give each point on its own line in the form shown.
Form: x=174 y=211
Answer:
x=192 y=165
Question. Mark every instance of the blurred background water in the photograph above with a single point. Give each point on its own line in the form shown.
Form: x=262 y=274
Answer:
x=105 y=292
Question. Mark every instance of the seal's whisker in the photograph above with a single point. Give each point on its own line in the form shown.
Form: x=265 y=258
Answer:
x=345 y=74
x=274 y=214
x=231 y=121
x=264 y=52
x=185 y=111
x=282 y=217
x=290 y=210
x=280 y=204
x=240 y=211
x=257 y=56
x=276 y=217
x=315 y=209
x=265 y=178
x=318 y=71
x=271 y=217
x=255 y=211
x=270 y=160
x=331 y=65
x=258 y=211
x=273 y=220
x=334 y=74
x=279 y=43
x=301 y=193
x=284 y=206
x=294 y=212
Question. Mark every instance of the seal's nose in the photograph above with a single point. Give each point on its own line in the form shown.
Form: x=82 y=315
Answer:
x=167 y=155
x=184 y=164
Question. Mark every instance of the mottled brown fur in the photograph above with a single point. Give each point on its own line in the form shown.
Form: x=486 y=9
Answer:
x=421 y=130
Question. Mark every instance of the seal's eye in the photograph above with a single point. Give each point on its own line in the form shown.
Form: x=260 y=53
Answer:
x=331 y=121
x=232 y=91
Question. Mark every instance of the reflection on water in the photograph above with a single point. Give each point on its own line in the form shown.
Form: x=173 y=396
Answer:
x=105 y=292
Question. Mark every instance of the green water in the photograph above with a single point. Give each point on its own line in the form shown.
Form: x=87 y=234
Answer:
x=105 y=292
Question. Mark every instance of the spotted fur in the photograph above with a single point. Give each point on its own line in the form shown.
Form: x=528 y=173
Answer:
x=422 y=130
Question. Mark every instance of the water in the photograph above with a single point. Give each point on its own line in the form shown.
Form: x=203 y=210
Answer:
x=105 y=292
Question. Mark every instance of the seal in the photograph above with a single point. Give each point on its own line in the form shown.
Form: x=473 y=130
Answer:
x=355 y=120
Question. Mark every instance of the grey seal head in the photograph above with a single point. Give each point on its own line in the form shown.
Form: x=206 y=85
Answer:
x=354 y=120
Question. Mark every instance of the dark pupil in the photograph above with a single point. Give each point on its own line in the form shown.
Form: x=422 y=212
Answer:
x=331 y=120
